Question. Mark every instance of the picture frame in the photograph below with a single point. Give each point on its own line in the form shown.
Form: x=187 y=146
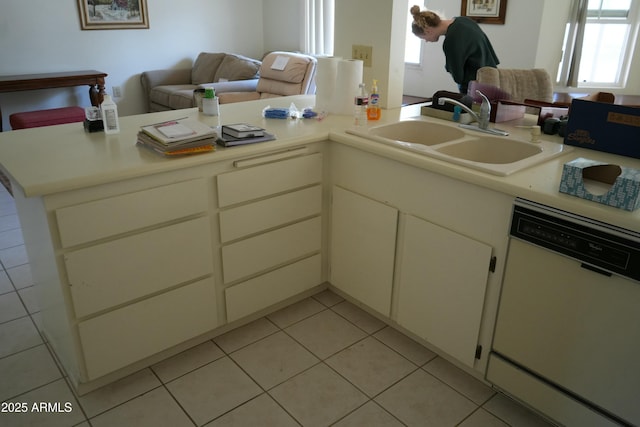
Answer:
x=113 y=14
x=485 y=11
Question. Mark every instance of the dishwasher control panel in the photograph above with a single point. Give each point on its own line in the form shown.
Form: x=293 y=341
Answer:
x=594 y=243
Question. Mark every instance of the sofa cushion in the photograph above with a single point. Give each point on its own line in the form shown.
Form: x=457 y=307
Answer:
x=205 y=67
x=182 y=98
x=277 y=87
x=294 y=71
x=237 y=67
x=230 y=97
x=163 y=95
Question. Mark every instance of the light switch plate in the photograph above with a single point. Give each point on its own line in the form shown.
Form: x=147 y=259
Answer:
x=364 y=53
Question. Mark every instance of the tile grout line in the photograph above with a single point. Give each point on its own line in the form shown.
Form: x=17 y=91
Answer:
x=164 y=385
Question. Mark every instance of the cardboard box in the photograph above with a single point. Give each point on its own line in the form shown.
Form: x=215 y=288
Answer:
x=604 y=183
x=604 y=127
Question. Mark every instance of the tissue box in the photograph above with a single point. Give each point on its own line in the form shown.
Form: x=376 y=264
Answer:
x=604 y=127
x=604 y=183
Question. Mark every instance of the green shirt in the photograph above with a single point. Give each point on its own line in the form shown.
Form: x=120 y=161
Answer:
x=466 y=48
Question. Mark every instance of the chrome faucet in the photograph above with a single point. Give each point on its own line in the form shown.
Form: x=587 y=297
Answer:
x=482 y=119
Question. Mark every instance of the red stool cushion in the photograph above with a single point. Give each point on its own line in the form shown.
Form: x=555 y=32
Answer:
x=55 y=116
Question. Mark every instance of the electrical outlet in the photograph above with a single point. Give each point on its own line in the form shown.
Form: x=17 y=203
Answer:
x=117 y=92
x=364 y=53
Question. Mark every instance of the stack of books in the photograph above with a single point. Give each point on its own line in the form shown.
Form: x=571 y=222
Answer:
x=243 y=133
x=178 y=137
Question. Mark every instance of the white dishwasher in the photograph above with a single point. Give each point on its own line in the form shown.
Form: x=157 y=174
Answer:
x=567 y=337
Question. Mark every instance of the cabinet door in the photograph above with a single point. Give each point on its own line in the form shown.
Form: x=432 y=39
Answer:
x=363 y=243
x=442 y=281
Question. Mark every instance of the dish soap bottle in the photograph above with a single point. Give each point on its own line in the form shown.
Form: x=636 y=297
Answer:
x=361 y=102
x=373 y=110
x=109 y=115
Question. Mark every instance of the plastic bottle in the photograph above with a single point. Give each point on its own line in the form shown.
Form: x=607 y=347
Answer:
x=109 y=115
x=373 y=110
x=361 y=102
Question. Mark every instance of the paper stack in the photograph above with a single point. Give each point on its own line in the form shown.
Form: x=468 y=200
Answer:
x=178 y=137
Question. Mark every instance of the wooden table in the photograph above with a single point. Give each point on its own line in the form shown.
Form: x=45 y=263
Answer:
x=94 y=79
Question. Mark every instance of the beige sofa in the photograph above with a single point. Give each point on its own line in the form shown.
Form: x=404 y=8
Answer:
x=172 y=89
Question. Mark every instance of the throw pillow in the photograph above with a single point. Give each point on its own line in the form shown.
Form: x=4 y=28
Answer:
x=205 y=67
x=236 y=67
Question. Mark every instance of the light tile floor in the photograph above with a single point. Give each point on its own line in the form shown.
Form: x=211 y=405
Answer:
x=319 y=362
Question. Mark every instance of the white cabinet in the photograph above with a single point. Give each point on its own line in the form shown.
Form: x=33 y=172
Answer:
x=138 y=268
x=421 y=243
x=441 y=286
x=270 y=230
x=363 y=242
x=136 y=271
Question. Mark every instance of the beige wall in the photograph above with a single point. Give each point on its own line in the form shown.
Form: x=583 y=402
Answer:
x=380 y=24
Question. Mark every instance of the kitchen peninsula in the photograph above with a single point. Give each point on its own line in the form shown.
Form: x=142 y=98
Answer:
x=137 y=257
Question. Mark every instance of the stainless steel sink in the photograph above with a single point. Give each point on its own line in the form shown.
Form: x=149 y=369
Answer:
x=496 y=155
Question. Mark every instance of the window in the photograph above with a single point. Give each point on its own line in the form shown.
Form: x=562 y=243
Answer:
x=318 y=21
x=413 y=45
x=599 y=43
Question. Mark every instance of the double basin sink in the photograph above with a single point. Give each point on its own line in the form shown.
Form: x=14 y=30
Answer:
x=498 y=155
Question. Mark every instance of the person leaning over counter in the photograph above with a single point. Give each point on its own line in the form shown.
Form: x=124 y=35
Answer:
x=466 y=47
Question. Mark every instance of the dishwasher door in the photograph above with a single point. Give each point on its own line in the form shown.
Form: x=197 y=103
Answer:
x=573 y=328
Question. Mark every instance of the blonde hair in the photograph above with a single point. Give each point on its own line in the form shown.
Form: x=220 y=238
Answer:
x=423 y=20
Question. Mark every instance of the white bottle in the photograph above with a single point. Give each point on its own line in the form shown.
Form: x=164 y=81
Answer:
x=361 y=102
x=109 y=115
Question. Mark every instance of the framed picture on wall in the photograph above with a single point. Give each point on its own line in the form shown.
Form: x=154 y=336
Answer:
x=113 y=14
x=485 y=11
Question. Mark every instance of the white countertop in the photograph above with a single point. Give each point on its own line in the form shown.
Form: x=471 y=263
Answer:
x=52 y=159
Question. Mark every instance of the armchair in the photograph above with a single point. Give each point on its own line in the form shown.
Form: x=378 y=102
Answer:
x=281 y=74
x=520 y=84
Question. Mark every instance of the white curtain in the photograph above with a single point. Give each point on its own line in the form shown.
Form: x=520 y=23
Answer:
x=318 y=22
x=577 y=22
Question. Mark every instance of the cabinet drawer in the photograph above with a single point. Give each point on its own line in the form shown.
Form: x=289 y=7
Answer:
x=265 y=214
x=124 y=336
x=271 y=178
x=261 y=292
x=116 y=272
x=120 y=214
x=270 y=249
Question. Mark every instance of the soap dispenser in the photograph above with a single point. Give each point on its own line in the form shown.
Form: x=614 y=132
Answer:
x=373 y=109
